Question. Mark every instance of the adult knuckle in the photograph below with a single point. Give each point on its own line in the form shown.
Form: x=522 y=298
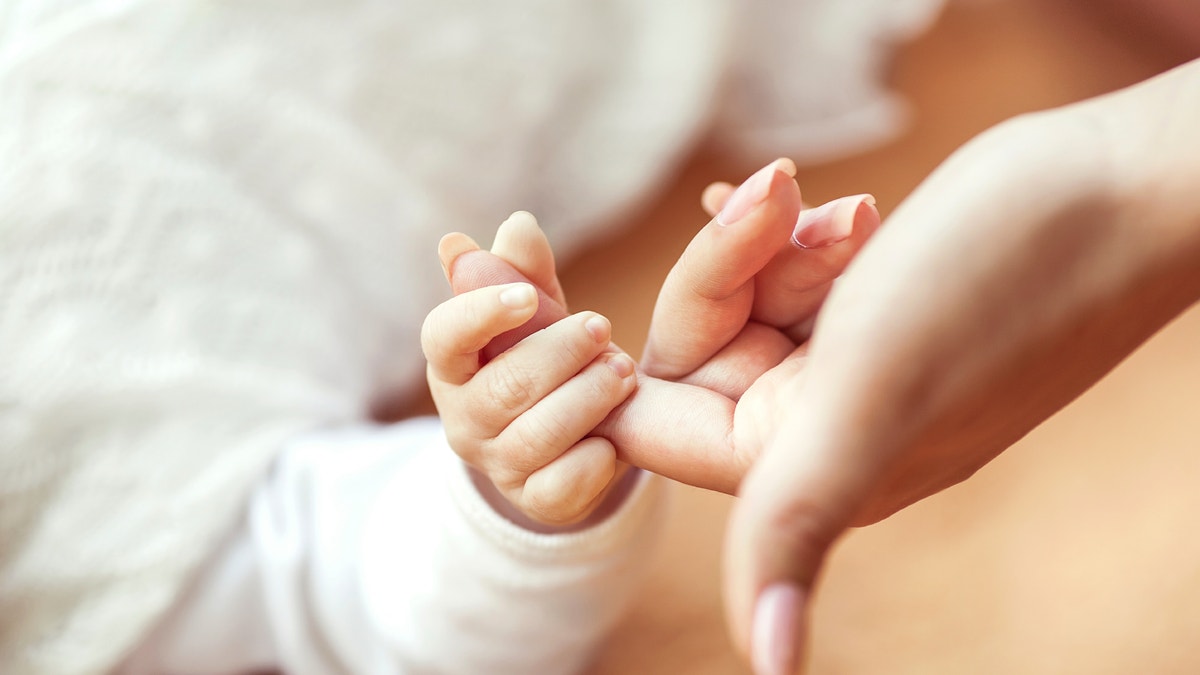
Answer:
x=704 y=280
x=805 y=526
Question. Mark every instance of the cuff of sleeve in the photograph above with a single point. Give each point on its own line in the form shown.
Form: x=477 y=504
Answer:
x=641 y=510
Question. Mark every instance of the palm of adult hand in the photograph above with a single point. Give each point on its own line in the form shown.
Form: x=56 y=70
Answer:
x=752 y=372
x=761 y=409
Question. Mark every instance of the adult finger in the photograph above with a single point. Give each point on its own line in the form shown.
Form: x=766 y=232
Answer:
x=796 y=500
x=826 y=238
x=739 y=364
x=708 y=295
x=790 y=290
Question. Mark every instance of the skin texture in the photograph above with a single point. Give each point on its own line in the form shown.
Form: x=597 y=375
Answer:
x=520 y=383
x=1023 y=270
x=1020 y=273
x=479 y=269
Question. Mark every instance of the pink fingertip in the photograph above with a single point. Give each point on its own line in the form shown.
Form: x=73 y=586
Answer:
x=752 y=192
x=830 y=223
x=775 y=634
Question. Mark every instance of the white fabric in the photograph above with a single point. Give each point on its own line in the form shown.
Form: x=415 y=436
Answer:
x=217 y=224
x=803 y=81
x=369 y=552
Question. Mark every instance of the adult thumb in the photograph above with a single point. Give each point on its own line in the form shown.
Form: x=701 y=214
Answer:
x=796 y=501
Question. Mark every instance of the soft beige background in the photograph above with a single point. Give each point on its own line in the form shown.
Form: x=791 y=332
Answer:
x=1078 y=551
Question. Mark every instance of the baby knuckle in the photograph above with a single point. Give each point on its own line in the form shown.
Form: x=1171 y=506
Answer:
x=569 y=355
x=508 y=479
x=429 y=343
x=509 y=387
x=602 y=383
x=539 y=436
x=462 y=443
x=551 y=509
x=441 y=338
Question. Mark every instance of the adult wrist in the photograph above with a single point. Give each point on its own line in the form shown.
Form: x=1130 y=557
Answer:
x=1154 y=134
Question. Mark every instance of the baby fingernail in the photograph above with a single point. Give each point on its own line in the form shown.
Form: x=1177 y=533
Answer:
x=829 y=223
x=597 y=326
x=518 y=296
x=450 y=247
x=621 y=364
x=751 y=193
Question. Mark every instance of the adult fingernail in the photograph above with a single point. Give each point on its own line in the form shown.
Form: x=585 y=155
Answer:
x=518 y=296
x=775 y=636
x=621 y=364
x=598 y=327
x=829 y=223
x=785 y=165
x=752 y=192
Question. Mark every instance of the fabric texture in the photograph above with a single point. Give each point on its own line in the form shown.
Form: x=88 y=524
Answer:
x=367 y=551
x=217 y=225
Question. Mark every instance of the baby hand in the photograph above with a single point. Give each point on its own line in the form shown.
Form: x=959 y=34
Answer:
x=521 y=418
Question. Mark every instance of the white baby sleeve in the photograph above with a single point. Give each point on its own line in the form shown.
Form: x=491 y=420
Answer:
x=370 y=552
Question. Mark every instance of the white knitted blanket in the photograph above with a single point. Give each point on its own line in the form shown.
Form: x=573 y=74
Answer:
x=218 y=221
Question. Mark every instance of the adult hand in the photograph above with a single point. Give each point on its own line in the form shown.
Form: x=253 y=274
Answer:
x=734 y=314
x=1023 y=270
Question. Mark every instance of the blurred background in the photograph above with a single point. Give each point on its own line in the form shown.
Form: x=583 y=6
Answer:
x=1074 y=552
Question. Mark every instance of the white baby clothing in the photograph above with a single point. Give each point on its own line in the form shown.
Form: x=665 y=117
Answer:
x=217 y=231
